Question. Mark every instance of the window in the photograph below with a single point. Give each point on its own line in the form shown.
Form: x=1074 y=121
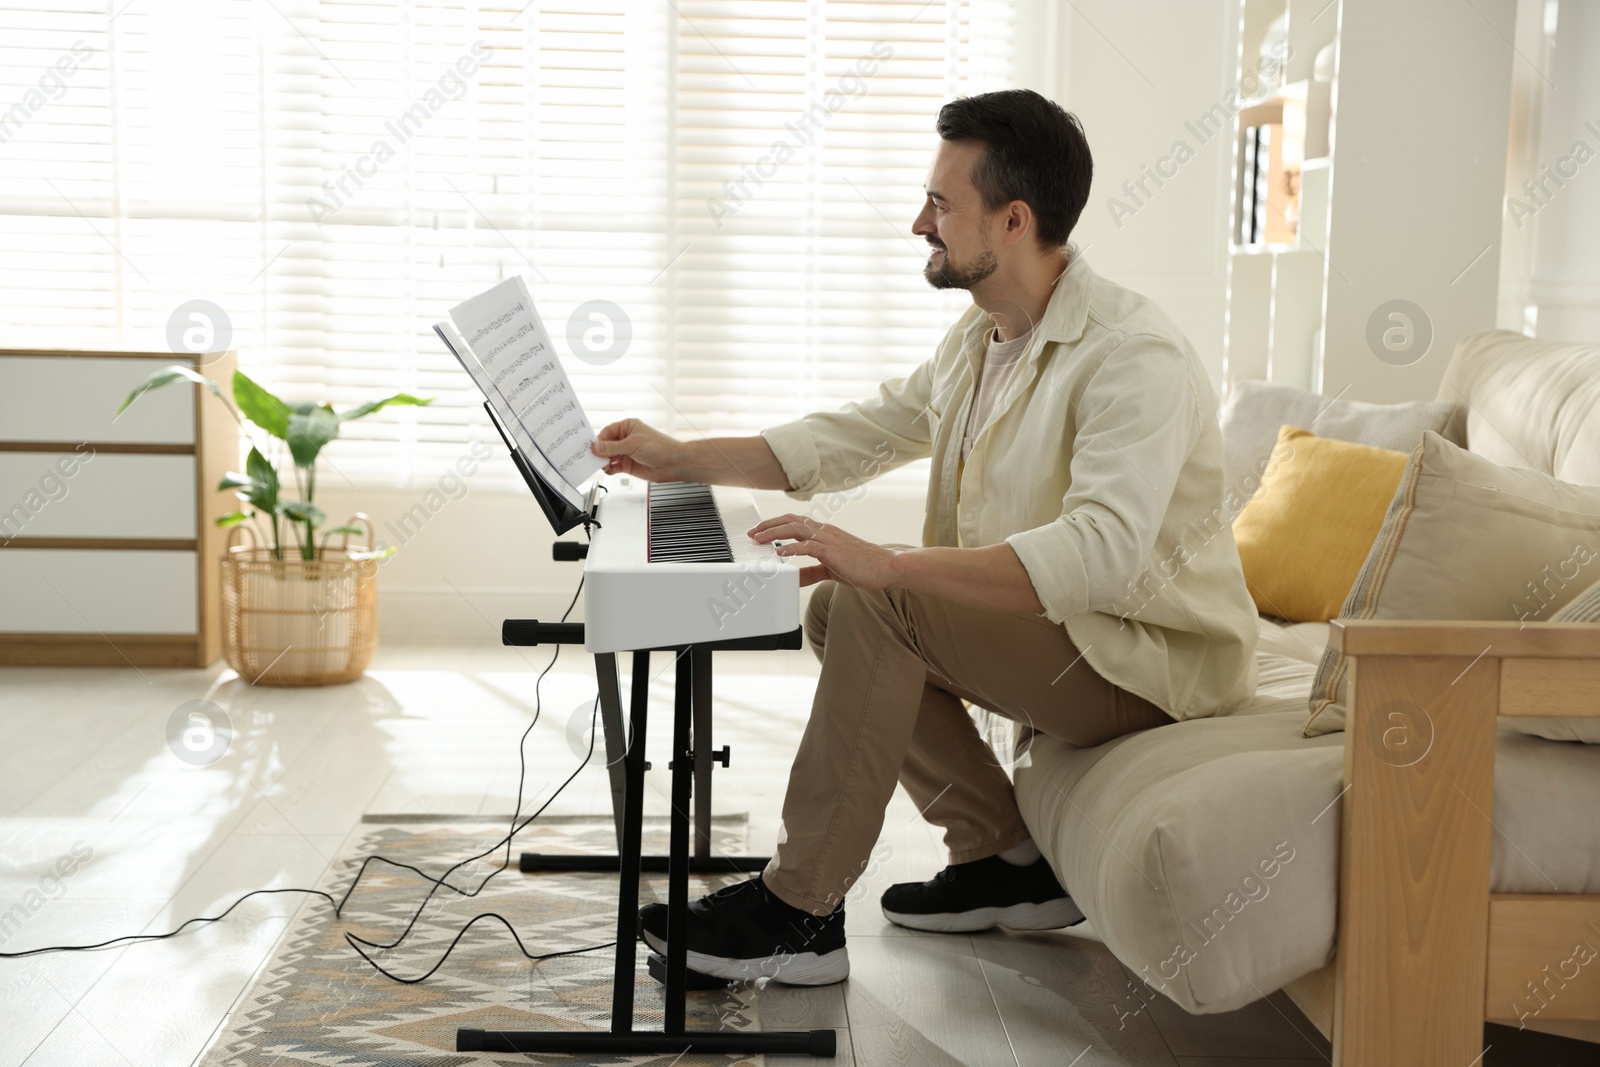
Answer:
x=737 y=178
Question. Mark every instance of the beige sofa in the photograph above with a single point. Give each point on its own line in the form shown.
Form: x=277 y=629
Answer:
x=1207 y=854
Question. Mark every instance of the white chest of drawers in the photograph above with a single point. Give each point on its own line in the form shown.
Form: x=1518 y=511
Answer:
x=108 y=542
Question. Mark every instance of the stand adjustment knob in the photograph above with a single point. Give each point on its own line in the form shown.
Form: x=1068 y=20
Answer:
x=718 y=755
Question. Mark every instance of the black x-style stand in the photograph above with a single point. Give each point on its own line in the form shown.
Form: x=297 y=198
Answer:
x=692 y=688
x=527 y=631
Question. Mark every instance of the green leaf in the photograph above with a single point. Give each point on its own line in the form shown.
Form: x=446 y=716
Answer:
x=377 y=553
x=168 y=375
x=260 y=406
x=353 y=531
x=399 y=399
x=234 y=519
x=309 y=431
x=262 y=488
x=232 y=480
x=299 y=511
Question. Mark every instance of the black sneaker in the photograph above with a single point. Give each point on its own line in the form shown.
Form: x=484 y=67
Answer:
x=744 y=932
x=965 y=897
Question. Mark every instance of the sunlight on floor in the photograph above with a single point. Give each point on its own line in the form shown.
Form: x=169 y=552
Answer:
x=85 y=765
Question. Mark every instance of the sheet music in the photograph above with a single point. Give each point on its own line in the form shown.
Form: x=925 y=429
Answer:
x=504 y=332
x=502 y=409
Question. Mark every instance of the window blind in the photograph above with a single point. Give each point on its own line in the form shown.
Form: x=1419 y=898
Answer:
x=712 y=198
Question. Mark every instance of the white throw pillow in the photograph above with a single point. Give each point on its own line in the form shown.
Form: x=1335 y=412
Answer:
x=1255 y=410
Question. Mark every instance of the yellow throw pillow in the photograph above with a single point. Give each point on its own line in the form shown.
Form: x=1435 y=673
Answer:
x=1305 y=534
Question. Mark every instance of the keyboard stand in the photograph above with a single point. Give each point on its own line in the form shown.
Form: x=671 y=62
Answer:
x=690 y=742
x=529 y=632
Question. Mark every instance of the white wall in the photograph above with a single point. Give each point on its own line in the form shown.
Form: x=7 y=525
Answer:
x=1133 y=73
x=1420 y=103
x=1560 y=218
x=1529 y=78
x=1136 y=74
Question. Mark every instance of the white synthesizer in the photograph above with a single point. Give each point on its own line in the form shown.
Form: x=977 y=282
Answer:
x=670 y=564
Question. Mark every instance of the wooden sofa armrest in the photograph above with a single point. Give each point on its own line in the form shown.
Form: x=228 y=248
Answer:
x=1546 y=668
x=1506 y=640
x=1417 y=807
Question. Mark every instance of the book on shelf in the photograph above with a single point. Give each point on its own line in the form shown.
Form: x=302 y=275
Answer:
x=1262 y=166
x=1247 y=187
x=1269 y=189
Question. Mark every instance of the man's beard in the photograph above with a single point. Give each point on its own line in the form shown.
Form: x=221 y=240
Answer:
x=950 y=276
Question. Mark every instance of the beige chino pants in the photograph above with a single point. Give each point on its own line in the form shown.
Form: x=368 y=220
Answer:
x=896 y=667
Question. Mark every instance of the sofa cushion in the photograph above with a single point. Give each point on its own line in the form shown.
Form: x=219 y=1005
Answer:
x=1304 y=641
x=1286 y=661
x=1206 y=853
x=1255 y=410
x=1465 y=538
x=1153 y=832
x=1532 y=403
x=1304 y=535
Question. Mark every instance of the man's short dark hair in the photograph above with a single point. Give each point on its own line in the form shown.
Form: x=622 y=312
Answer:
x=1036 y=153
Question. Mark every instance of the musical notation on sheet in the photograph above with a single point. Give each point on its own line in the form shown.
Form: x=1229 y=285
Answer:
x=503 y=332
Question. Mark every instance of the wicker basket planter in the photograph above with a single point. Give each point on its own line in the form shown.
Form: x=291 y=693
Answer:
x=296 y=621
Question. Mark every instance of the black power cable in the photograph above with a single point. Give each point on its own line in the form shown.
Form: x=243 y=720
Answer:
x=522 y=771
x=355 y=942
x=158 y=937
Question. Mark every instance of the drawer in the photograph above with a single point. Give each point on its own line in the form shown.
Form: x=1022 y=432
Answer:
x=75 y=398
x=109 y=494
x=69 y=591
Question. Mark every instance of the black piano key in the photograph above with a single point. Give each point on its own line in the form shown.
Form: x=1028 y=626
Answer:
x=685 y=526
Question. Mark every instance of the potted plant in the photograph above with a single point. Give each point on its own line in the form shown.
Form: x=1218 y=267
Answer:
x=296 y=608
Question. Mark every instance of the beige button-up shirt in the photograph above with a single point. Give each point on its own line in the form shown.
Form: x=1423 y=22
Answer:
x=1101 y=467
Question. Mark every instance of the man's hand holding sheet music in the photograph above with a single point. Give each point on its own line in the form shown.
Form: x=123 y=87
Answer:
x=632 y=447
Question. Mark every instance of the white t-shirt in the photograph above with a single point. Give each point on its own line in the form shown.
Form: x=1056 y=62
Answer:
x=999 y=361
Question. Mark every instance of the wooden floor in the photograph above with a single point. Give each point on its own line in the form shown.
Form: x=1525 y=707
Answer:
x=84 y=765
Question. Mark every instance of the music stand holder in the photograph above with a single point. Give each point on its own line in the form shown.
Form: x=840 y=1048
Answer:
x=690 y=766
x=557 y=509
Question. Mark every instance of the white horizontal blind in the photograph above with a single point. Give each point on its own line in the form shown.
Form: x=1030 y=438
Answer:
x=804 y=135
x=738 y=178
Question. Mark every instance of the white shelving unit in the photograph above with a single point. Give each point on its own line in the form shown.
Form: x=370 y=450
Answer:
x=109 y=547
x=1415 y=148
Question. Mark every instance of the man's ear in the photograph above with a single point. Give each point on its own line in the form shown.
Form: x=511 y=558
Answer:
x=1018 y=221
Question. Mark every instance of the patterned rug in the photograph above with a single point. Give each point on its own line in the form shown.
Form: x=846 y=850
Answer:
x=317 y=1004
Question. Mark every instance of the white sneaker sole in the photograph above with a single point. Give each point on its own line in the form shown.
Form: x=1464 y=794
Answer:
x=805 y=968
x=1051 y=915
